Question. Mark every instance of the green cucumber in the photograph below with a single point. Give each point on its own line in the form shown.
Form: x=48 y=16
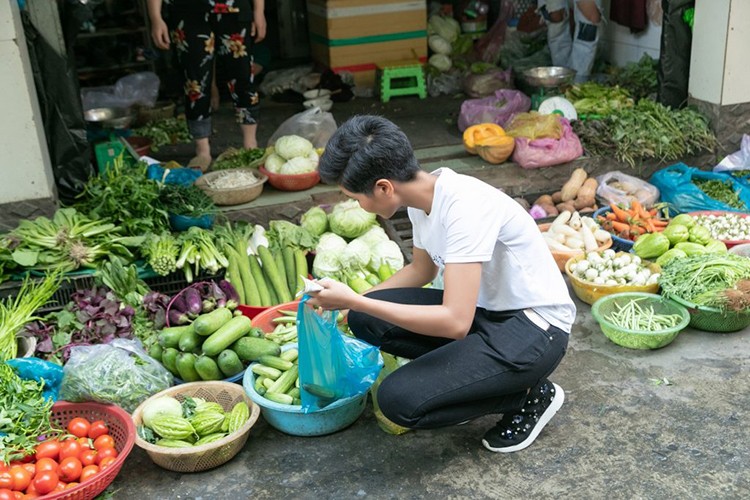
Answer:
x=319 y=391
x=207 y=368
x=251 y=348
x=283 y=399
x=229 y=363
x=208 y=323
x=290 y=355
x=266 y=371
x=231 y=331
x=169 y=359
x=275 y=362
x=170 y=336
x=186 y=367
x=286 y=381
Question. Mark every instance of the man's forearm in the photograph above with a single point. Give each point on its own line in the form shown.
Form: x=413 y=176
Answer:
x=154 y=9
x=259 y=6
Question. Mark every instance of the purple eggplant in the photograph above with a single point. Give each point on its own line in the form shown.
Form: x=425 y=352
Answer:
x=233 y=300
x=177 y=317
x=208 y=305
x=179 y=304
x=217 y=294
x=193 y=301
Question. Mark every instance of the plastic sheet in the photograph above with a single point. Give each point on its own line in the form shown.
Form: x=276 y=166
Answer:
x=39 y=369
x=676 y=186
x=332 y=366
x=739 y=160
x=315 y=125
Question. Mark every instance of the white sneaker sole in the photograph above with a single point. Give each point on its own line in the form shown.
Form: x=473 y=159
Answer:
x=557 y=402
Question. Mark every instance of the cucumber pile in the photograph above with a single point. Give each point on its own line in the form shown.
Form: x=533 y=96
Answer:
x=277 y=377
x=215 y=346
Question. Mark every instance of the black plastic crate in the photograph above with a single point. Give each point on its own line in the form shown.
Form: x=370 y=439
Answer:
x=62 y=296
x=174 y=282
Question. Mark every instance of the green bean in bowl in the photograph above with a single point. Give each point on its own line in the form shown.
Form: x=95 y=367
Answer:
x=640 y=320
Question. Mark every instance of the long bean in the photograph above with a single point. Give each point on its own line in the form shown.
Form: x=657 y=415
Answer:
x=633 y=316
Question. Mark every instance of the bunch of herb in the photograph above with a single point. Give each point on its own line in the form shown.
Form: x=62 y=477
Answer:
x=593 y=98
x=640 y=78
x=94 y=316
x=239 y=158
x=127 y=197
x=165 y=132
x=68 y=241
x=739 y=173
x=24 y=415
x=722 y=191
x=15 y=313
x=190 y=201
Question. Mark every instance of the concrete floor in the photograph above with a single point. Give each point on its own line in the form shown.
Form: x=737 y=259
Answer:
x=662 y=424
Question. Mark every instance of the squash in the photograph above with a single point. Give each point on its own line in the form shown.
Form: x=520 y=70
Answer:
x=474 y=134
x=570 y=189
x=495 y=149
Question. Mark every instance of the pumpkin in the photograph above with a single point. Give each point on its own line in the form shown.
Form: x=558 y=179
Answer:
x=474 y=135
x=497 y=149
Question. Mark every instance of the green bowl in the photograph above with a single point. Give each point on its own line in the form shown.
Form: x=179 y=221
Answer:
x=712 y=319
x=639 y=339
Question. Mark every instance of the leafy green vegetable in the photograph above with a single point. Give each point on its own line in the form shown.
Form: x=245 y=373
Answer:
x=721 y=191
x=165 y=132
x=593 y=98
x=349 y=220
x=24 y=415
x=239 y=158
x=190 y=201
x=640 y=78
x=701 y=278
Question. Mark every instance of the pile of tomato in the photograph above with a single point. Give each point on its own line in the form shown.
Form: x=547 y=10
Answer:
x=60 y=464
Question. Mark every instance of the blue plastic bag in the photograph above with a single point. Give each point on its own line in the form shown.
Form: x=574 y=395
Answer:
x=39 y=369
x=332 y=366
x=182 y=176
x=676 y=186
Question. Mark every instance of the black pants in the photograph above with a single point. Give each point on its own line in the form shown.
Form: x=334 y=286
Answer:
x=450 y=381
x=198 y=36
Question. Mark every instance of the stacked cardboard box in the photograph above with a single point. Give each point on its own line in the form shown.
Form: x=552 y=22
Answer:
x=357 y=35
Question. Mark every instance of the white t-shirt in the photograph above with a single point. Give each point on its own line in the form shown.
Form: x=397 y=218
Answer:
x=471 y=221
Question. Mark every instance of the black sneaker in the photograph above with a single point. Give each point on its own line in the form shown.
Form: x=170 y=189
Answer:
x=517 y=430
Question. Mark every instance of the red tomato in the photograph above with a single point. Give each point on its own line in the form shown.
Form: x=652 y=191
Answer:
x=69 y=448
x=31 y=468
x=88 y=472
x=106 y=462
x=21 y=478
x=18 y=494
x=6 y=494
x=60 y=487
x=105 y=453
x=70 y=469
x=6 y=480
x=98 y=428
x=46 y=465
x=104 y=441
x=71 y=485
x=85 y=443
x=48 y=449
x=79 y=427
x=44 y=482
x=87 y=457
x=4 y=467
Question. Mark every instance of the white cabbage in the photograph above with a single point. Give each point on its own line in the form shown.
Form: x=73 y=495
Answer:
x=292 y=146
x=273 y=163
x=330 y=242
x=297 y=165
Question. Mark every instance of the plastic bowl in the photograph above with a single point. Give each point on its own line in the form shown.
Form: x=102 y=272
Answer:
x=298 y=182
x=561 y=258
x=741 y=249
x=184 y=222
x=290 y=419
x=711 y=319
x=264 y=320
x=728 y=243
x=622 y=244
x=639 y=339
x=251 y=311
x=590 y=292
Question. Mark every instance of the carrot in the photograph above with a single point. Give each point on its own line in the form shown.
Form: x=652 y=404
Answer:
x=638 y=210
x=620 y=226
x=611 y=216
x=621 y=214
x=659 y=223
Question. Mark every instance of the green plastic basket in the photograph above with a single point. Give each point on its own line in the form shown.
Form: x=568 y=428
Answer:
x=638 y=339
x=711 y=319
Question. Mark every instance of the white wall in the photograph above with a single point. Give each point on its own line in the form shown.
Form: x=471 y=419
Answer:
x=737 y=70
x=25 y=170
x=620 y=46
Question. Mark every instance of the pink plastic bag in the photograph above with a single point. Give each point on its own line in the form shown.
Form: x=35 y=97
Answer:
x=498 y=108
x=548 y=152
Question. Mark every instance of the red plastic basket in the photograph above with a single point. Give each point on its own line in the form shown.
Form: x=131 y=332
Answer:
x=728 y=243
x=298 y=182
x=264 y=320
x=122 y=430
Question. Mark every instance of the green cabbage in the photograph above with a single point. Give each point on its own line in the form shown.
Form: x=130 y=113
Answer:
x=373 y=236
x=349 y=220
x=327 y=265
x=441 y=62
x=315 y=220
x=297 y=165
x=292 y=146
x=439 y=45
x=273 y=163
x=356 y=255
x=330 y=242
x=446 y=27
x=387 y=252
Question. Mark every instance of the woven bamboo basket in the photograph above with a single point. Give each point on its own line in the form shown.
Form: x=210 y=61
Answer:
x=210 y=455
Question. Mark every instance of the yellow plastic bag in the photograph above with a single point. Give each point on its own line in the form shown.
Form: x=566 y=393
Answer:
x=532 y=126
x=390 y=364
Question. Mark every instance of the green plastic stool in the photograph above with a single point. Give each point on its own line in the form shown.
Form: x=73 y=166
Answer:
x=407 y=79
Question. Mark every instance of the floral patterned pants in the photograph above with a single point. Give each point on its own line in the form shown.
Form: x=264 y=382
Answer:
x=197 y=39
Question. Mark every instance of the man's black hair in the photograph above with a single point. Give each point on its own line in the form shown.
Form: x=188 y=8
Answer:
x=364 y=149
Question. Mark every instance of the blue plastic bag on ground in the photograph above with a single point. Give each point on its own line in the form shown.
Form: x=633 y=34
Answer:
x=332 y=366
x=39 y=369
x=676 y=186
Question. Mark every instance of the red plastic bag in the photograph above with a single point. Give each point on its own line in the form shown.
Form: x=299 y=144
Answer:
x=548 y=152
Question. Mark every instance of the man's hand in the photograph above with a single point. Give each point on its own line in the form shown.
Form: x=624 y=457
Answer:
x=334 y=295
x=160 y=34
x=258 y=29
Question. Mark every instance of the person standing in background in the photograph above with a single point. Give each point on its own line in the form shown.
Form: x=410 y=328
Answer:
x=199 y=30
x=579 y=50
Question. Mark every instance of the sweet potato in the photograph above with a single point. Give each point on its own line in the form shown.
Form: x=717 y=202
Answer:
x=570 y=189
x=557 y=197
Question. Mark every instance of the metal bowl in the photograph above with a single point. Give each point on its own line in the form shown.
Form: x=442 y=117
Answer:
x=109 y=117
x=549 y=76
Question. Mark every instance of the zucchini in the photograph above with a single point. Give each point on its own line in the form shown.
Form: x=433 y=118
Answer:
x=170 y=336
x=190 y=341
x=275 y=362
x=233 y=330
x=251 y=348
x=208 y=323
x=207 y=368
x=186 y=367
x=233 y=274
x=229 y=363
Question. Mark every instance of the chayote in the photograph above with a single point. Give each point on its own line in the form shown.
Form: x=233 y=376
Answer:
x=684 y=220
x=676 y=233
x=699 y=234
x=651 y=246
